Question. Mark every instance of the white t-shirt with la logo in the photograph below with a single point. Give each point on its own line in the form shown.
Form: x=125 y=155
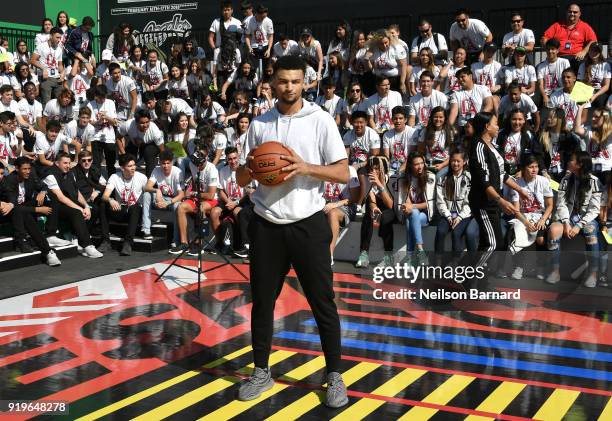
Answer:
x=105 y=132
x=228 y=183
x=50 y=58
x=169 y=185
x=7 y=143
x=399 y=144
x=561 y=99
x=154 y=74
x=120 y=93
x=79 y=84
x=334 y=192
x=49 y=150
x=381 y=108
x=420 y=107
x=30 y=111
x=360 y=146
x=259 y=32
x=129 y=191
x=83 y=135
x=550 y=73
x=488 y=75
x=469 y=102
x=387 y=62
x=599 y=73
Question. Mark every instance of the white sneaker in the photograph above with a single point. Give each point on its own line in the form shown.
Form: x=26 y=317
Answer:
x=57 y=242
x=75 y=242
x=553 y=278
x=52 y=259
x=591 y=281
x=90 y=251
x=517 y=273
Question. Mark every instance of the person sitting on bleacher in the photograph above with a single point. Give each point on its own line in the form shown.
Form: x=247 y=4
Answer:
x=164 y=191
x=48 y=147
x=129 y=186
x=417 y=203
x=209 y=180
x=341 y=205
x=378 y=210
x=92 y=184
x=577 y=209
x=10 y=146
x=143 y=139
x=22 y=207
x=399 y=141
x=68 y=204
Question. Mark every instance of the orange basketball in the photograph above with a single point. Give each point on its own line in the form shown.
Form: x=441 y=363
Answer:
x=267 y=163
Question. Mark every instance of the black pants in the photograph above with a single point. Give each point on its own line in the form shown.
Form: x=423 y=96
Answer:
x=491 y=237
x=129 y=214
x=99 y=215
x=244 y=217
x=109 y=150
x=24 y=221
x=74 y=216
x=385 y=230
x=149 y=152
x=274 y=248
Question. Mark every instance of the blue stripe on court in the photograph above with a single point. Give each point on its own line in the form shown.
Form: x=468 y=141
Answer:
x=475 y=341
x=436 y=354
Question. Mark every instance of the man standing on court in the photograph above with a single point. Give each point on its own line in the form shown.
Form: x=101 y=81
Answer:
x=289 y=226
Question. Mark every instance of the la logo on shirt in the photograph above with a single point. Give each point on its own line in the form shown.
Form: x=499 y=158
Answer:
x=467 y=107
x=166 y=190
x=332 y=191
x=128 y=197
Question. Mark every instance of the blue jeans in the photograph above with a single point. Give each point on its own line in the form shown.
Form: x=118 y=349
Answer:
x=468 y=226
x=148 y=202
x=590 y=233
x=414 y=232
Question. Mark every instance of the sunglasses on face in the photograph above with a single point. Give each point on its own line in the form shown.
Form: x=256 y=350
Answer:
x=355 y=91
x=86 y=160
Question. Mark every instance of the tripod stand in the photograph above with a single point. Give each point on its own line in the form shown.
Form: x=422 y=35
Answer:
x=202 y=228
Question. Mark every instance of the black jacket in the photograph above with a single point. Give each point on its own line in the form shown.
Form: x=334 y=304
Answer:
x=66 y=182
x=485 y=172
x=87 y=183
x=32 y=185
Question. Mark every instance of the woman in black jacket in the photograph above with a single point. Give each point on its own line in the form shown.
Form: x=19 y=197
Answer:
x=488 y=178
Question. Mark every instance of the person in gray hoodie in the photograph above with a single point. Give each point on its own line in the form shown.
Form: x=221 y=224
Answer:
x=289 y=227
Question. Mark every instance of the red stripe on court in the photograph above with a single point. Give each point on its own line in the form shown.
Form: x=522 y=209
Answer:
x=464 y=373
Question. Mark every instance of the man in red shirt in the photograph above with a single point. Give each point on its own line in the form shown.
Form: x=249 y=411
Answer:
x=574 y=35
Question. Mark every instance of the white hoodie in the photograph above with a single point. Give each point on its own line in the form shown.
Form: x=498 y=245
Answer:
x=314 y=136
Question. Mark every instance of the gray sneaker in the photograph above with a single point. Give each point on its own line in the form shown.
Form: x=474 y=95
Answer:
x=363 y=261
x=336 y=391
x=254 y=386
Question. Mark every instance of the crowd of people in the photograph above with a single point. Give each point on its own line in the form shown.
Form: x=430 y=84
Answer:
x=461 y=134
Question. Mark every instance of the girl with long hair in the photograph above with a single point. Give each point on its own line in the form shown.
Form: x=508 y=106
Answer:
x=180 y=132
x=595 y=71
x=341 y=43
x=521 y=72
x=336 y=73
x=435 y=141
x=120 y=42
x=557 y=145
x=515 y=140
x=45 y=32
x=386 y=57
x=266 y=100
x=425 y=62
x=198 y=79
x=358 y=64
x=417 y=203
x=578 y=206
x=23 y=76
x=452 y=192
x=355 y=101
x=22 y=54
x=236 y=134
x=310 y=47
x=177 y=83
x=532 y=215
x=243 y=79
x=225 y=62
x=192 y=52
x=488 y=180
x=598 y=138
x=378 y=210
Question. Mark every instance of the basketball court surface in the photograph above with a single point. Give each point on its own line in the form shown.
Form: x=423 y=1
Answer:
x=122 y=347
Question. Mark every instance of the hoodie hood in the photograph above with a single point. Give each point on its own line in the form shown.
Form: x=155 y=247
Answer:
x=308 y=108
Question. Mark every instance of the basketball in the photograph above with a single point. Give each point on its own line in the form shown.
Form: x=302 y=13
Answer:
x=266 y=164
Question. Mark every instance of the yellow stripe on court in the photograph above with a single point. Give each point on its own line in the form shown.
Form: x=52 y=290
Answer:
x=441 y=396
x=203 y=392
x=365 y=406
x=237 y=407
x=161 y=386
x=606 y=414
x=498 y=400
x=313 y=399
x=557 y=404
